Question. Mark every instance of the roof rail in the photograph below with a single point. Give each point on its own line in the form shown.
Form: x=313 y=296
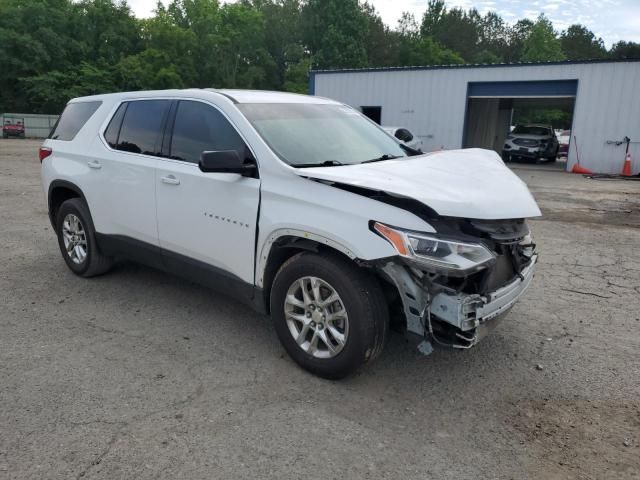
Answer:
x=222 y=93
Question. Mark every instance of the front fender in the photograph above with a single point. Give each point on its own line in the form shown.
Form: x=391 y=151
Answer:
x=327 y=215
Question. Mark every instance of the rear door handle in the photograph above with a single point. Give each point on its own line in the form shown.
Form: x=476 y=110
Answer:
x=94 y=164
x=170 y=180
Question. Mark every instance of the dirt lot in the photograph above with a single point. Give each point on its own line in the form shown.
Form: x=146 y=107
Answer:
x=137 y=374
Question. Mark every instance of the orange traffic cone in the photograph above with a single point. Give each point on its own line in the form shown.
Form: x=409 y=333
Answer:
x=626 y=169
x=579 y=169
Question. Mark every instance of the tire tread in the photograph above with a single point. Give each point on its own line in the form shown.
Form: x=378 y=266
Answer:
x=373 y=326
x=98 y=263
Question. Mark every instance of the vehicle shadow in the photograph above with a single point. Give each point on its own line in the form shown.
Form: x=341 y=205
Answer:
x=223 y=323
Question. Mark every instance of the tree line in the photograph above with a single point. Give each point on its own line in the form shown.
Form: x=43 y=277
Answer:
x=54 y=50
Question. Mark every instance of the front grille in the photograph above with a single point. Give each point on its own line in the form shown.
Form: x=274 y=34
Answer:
x=505 y=236
x=526 y=142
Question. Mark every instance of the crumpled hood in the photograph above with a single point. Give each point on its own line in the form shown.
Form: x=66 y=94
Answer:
x=469 y=183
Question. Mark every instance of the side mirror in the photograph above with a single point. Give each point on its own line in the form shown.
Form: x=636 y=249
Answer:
x=225 y=161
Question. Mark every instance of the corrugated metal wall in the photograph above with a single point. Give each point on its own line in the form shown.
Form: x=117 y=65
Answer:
x=432 y=103
x=35 y=126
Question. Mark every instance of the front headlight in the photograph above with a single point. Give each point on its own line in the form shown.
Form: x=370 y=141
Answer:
x=429 y=250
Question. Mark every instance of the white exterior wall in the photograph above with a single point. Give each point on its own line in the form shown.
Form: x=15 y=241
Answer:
x=432 y=103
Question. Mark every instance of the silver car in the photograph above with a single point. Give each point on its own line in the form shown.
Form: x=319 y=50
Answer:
x=531 y=142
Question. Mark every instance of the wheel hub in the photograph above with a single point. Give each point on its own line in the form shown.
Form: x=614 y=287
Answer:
x=316 y=317
x=74 y=238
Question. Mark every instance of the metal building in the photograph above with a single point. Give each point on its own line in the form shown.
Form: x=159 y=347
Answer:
x=35 y=126
x=470 y=105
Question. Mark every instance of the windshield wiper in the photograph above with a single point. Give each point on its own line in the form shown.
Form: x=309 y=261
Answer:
x=382 y=158
x=326 y=163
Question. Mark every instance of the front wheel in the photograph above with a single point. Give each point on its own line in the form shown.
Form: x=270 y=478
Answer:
x=330 y=315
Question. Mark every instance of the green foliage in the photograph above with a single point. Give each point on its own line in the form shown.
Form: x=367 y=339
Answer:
x=149 y=69
x=455 y=29
x=52 y=90
x=335 y=32
x=542 y=44
x=54 y=50
x=625 y=50
x=559 y=119
x=579 y=43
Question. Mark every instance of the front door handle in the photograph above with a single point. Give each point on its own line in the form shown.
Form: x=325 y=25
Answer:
x=170 y=180
x=94 y=164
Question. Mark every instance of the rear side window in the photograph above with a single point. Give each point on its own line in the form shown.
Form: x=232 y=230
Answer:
x=113 y=130
x=199 y=127
x=73 y=118
x=141 y=130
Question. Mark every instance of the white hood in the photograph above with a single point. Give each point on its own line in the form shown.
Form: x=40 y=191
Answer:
x=470 y=183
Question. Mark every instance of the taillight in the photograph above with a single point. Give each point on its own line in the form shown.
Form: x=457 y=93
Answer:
x=44 y=152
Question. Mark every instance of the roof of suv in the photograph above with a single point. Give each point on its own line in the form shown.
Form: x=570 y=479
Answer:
x=237 y=96
x=266 y=96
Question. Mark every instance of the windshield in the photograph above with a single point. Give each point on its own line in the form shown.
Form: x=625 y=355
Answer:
x=308 y=135
x=531 y=130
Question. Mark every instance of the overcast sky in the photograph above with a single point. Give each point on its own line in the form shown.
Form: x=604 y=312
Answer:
x=612 y=20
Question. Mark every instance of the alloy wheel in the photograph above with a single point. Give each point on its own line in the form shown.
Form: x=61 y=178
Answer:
x=316 y=317
x=74 y=238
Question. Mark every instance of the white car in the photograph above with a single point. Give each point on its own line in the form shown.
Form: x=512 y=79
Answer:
x=532 y=142
x=564 y=139
x=405 y=136
x=298 y=206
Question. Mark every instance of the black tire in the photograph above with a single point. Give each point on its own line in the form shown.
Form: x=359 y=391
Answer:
x=94 y=263
x=363 y=300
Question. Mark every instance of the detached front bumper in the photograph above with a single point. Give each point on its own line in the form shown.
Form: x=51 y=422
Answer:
x=455 y=319
x=462 y=320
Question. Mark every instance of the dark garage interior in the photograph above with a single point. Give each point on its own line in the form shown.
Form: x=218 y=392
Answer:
x=493 y=108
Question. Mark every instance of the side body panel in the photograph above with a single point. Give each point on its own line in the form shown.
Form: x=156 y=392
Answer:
x=119 y=187
x=122 y=195
x=210 y=217
x=297 y=206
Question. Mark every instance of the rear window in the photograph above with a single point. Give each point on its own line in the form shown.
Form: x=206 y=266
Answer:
x=73 y=118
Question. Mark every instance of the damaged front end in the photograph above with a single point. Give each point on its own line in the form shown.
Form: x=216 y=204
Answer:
x=454 y=285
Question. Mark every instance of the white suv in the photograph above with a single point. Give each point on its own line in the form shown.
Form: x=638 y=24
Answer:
x=299 y=206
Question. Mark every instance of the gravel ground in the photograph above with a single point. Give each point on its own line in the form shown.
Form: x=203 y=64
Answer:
x=138 y=374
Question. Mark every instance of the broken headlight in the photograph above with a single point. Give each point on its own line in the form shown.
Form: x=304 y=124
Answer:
x=429 y=250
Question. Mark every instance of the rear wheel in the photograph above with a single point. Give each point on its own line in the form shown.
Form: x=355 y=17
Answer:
x=77 y=242
x=330 y=315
